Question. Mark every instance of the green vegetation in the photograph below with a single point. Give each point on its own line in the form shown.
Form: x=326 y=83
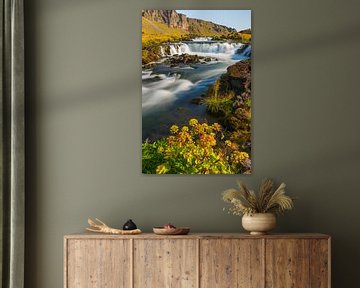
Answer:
x=219 y=98
x=195 y=149
x=244 y=38
x=218 y=105
x=150 y=55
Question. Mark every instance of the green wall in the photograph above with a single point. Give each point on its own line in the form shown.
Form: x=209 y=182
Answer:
x=84 y=126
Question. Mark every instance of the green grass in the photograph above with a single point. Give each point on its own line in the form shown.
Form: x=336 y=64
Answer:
x=219 y=98
x=217 y=104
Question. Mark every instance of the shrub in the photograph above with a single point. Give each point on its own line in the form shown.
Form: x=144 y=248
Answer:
x=198 y=148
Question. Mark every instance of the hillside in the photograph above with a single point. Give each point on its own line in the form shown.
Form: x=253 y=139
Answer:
x=155 y=32
x=207 y=28
x=162 y=24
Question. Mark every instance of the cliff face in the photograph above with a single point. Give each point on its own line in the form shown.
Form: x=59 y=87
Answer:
x=169 y=17
x=177 y=20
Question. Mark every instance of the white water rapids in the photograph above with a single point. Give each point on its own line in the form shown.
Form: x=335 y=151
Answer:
x=162 y=91
x=221 y=50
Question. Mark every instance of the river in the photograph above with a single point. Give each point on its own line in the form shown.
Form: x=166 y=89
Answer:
x=167 y=91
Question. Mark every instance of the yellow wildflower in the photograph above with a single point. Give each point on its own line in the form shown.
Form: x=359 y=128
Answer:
x=185 y=129
x=193 y=122
x=174 y=129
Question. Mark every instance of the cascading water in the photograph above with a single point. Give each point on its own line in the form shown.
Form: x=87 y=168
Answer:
x=179 y=49
x=245 y=50
x=201 y=39
x=202 y=48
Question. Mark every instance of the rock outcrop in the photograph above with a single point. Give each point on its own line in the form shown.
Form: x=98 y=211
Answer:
x=239 y=77
x=169 y=17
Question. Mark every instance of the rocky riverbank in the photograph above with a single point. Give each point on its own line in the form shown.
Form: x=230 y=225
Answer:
x=230 y=98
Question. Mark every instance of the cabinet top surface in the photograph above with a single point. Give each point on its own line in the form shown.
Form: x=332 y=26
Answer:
x=87 y=235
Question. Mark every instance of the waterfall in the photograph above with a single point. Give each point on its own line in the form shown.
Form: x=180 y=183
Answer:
x=203 y=48
x=162 y=51
x=179 y=49
x=201 y=39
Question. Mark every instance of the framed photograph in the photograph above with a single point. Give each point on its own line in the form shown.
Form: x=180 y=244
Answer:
x=196 y=91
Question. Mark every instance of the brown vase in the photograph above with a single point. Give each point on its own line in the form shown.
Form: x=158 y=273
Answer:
x=259 y=223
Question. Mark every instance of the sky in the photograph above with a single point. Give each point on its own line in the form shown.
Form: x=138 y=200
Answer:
x=238 y=19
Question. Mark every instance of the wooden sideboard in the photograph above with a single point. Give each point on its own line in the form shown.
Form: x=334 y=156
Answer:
x=197 y=260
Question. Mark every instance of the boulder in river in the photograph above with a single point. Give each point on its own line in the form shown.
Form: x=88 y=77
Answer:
x=179 y=59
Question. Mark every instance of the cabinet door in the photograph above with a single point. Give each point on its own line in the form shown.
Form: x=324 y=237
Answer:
x=98 y=263
x=287 y=263
x=165 y=263
x=231 y=263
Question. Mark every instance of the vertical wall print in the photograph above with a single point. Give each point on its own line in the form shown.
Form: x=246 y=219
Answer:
x=196 y=91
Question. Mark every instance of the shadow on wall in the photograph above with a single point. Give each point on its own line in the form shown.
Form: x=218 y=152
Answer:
x=100 y=93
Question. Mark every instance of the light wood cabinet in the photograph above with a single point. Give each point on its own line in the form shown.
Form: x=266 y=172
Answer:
x=165 y=263
x=197 y=261
x=231 y=263
x=98 y=263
